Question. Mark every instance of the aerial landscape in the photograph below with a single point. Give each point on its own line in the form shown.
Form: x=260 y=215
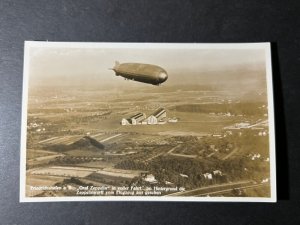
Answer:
x=202 y=131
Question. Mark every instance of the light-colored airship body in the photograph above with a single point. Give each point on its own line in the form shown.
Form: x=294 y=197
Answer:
x=140 y=72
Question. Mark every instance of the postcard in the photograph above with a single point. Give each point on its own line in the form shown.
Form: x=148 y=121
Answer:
x=147 y=122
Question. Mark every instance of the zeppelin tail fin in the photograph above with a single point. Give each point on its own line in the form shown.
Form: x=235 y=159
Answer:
x=117 y=63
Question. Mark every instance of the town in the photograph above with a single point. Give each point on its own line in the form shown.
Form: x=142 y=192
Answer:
x=208 y=146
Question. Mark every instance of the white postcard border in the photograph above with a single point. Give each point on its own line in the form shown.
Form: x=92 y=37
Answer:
x=111 y=45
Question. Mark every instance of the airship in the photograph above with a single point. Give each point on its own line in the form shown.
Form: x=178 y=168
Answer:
x=145 y=73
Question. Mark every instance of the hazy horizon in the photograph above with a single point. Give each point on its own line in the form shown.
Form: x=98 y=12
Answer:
x=90 y=67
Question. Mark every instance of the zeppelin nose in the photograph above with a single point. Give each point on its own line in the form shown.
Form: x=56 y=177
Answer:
x=162 y=77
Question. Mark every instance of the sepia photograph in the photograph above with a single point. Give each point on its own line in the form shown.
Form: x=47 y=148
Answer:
x=147 y=122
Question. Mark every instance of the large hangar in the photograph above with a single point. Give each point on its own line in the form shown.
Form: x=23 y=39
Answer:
x=157 y=116
x=140 y=118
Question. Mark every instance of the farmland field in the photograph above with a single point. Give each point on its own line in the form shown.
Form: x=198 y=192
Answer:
x=77 y=138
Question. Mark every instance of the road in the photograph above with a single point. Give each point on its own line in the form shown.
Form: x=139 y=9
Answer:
x=111 y=137
x=172 y=149
x=67 y=140
x=213 y=188
x=230 y=154
x=162 y=153
x=183 y=155
x=96 y=135
x=61 y=140
x=210 y=155
x=49 y=139
x=153 y=157
x=48 y=157
x=230 y=189
x=261 y=123
x=264 y=123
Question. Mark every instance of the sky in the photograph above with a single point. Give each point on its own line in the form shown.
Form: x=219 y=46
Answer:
x=90 y=66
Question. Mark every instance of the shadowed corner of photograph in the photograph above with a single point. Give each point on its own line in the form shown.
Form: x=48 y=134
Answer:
x=147 y=123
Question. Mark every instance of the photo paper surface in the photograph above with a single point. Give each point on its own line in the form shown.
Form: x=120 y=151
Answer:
x=147 y=122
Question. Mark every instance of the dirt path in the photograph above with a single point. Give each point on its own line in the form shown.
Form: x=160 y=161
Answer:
x=230 y=154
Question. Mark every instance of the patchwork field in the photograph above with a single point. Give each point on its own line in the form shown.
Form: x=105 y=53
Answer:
x=76 y=141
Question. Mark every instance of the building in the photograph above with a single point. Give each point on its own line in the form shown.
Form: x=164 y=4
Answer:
x=217 y=172
x=242 y=125
x=173 y=120
x=137 y=118
x=150 y=178
x=207 y=176
x=134 y=120
x=157 y=116
x=125 y=122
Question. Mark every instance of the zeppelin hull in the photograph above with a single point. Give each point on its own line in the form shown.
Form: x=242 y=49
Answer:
x=145 y=73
